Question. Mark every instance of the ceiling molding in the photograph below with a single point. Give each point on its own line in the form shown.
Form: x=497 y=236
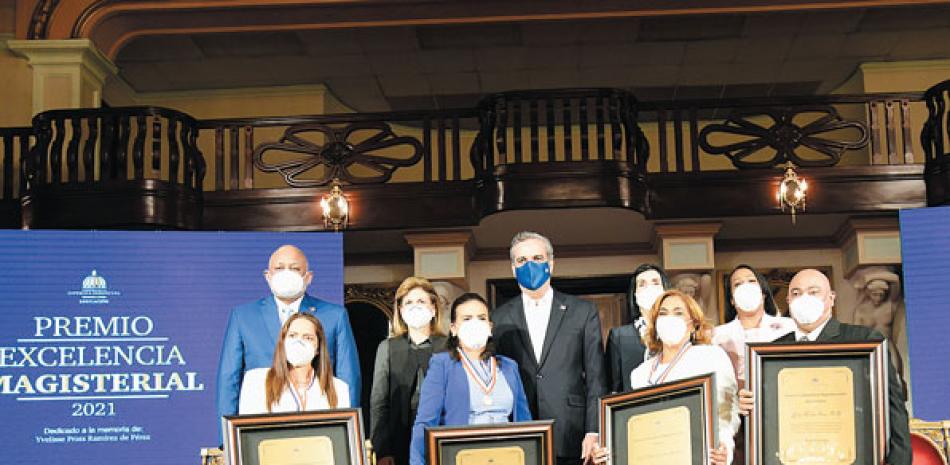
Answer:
x=112 y=24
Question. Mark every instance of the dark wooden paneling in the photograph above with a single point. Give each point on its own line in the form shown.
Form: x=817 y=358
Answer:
x=563 y=185
x=10 y=214
x=752 y=192
x=145 y=204
x=389 y=206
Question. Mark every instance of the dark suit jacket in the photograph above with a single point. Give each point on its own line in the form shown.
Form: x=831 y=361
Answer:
x=624 y=353
x=567 y=383
x=898 y=448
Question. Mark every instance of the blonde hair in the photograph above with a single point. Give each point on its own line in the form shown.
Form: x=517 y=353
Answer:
x=701 y=330
x=407 y=285
x=278 y=378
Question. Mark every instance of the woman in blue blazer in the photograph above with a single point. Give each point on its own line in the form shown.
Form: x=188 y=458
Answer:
x=468 y=384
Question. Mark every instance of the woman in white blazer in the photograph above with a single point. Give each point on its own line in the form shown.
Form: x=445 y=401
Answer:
x=301 y=377
x=679 y=336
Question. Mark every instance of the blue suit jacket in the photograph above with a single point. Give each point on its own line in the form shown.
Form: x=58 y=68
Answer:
x=251 y=336
x=443 y=399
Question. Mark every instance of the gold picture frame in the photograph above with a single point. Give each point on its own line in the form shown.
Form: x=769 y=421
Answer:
x=817 y=402
x=672 y=422
x=523 y=443
x=322 y=437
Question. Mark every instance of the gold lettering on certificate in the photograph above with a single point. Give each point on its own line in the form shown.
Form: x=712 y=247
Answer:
x=491 y=456
x=816 y=416
x=314 y=450
x=661 y=437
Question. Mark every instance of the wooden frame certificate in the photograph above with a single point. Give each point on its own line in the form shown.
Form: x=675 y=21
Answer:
x=667 y=424
x=323 y=437
x=817 y=403
x=525 y=443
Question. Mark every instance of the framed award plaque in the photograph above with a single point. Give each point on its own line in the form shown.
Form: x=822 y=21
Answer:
x=667 y=424
x=525 y=443
x=817 y=403
x=323 y=437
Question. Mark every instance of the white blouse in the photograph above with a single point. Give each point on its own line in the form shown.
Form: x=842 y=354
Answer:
x=732 y=337
x=699 y=360
x=253 y=395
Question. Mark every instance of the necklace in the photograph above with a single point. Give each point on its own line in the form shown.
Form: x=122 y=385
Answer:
x=299 y=392
x=669 y=368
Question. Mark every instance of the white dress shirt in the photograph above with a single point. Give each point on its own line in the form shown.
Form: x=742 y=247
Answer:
x=812 y=336
x=254 y=397
x=732 y=337
x=537 y=313
x=285 y=310
x=699 y=360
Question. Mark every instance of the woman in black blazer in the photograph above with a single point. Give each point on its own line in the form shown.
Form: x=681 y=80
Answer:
x=401 y=364
x=625 y=349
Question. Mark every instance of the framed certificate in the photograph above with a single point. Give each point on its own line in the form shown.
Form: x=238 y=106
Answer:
x=817 y=403
x=323 y=437
x=525 y=443
x=668 y=424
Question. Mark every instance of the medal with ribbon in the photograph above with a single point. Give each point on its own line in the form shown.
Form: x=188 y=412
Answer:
x=666 y=372
x=485 y=381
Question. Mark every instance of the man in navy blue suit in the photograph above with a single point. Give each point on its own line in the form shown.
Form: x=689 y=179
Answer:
x=253 y=329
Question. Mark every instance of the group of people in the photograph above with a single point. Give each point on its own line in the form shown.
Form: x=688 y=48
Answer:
x=537 y=356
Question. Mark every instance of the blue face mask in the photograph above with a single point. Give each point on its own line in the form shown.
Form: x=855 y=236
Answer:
x=533 y=275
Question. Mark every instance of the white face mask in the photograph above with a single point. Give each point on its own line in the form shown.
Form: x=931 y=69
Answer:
x=748 y=297
x=474 y=334
x=670 y=329
x=417 y=316
x=287 y=284
x=299 y=352
x=807 y=309
x=647 y=295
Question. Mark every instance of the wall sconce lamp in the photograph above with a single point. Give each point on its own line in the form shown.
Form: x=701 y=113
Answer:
x=336 y=209
x=792 y=191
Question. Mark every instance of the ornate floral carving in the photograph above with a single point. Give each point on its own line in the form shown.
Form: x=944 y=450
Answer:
x=339 y=153
x=784 y=135
x=381 y=297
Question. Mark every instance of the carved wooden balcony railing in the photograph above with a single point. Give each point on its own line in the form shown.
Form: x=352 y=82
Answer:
x=121 y=167
x=812 y=131
x=935 y=138
x=14 y=147
x=543 y=124
x=569 y=147
x=533 y=149
x=358 y=148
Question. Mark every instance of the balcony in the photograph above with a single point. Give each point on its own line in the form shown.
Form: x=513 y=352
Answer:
x=159 y=168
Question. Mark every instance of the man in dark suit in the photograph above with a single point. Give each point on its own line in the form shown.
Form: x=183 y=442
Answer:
x=810 y=301
x=555 y=338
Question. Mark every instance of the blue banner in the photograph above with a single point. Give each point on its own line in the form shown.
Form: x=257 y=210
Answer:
x=109 y=341
x=925 y=251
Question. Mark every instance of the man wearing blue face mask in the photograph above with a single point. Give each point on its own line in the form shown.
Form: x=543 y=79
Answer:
x=254 y=328
x=556 y=340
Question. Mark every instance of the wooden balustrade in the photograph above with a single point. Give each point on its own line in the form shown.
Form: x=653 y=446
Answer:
x=90 y=146
x=14 y=148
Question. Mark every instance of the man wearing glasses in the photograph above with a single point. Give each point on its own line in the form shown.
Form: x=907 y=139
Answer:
x=556 y=340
